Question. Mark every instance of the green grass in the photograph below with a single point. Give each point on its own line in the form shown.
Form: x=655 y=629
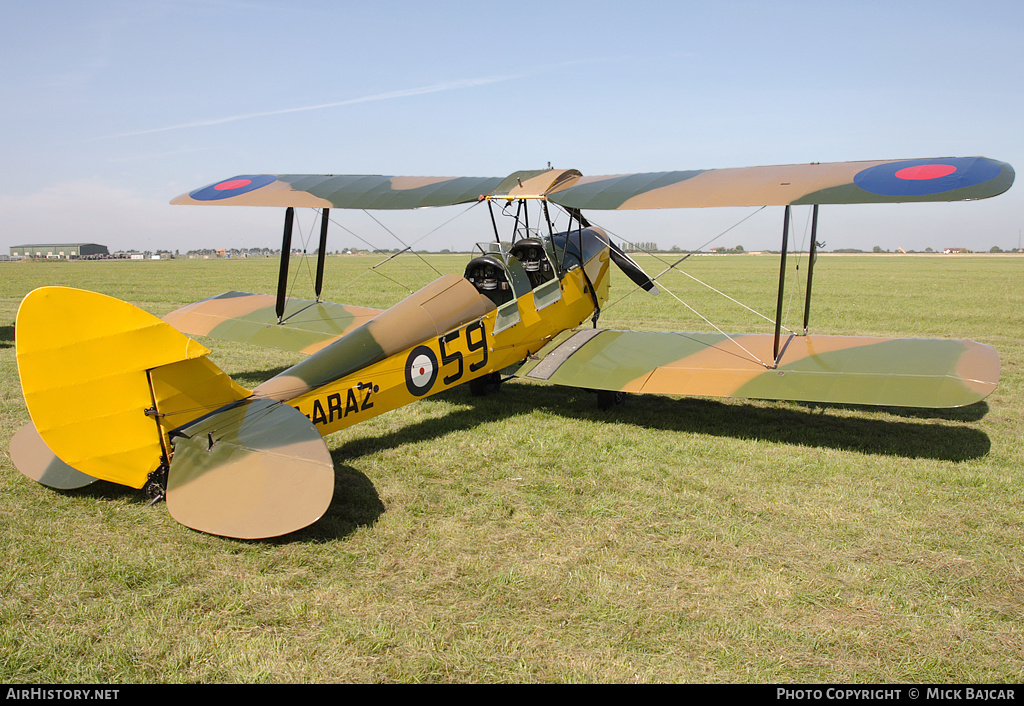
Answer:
x=530 y=537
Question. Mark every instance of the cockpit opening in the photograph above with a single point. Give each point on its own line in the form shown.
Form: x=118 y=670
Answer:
x=487 y=274
x=530 y=252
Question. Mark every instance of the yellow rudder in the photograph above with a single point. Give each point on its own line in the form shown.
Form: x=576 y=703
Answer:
x=93 y=373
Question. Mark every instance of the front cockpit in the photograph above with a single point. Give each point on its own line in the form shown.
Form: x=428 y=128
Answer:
x=501 y=276
x=534 y=259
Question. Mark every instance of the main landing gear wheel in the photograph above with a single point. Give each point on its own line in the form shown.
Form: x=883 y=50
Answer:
x=489 y=384
x=606 y=399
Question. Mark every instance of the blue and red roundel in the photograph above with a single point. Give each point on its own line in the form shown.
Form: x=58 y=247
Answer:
x=235 y=186
x=924 y=177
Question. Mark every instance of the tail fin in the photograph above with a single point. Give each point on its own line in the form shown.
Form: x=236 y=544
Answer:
x=105 y=381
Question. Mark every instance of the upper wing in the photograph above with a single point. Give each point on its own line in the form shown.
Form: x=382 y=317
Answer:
x=895 y=372
x=947 y=179
x=307 y=327
x=886 y=181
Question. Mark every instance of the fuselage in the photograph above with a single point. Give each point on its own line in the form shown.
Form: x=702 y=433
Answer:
x=454 y=330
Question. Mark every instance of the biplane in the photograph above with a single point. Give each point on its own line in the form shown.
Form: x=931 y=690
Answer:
x=116 y=394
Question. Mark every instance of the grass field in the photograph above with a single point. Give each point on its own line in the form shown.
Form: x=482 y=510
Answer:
x=530 y=537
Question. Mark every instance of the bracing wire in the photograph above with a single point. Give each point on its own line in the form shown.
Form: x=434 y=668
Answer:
x=718 y=291
x=674 y=266
x=712 y=324
x=407 y=248
x=304 y=238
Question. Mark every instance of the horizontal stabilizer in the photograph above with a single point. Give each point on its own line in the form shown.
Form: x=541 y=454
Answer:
x=255 y=469
x=33 y=458
x=307 y=327
x=899 y=372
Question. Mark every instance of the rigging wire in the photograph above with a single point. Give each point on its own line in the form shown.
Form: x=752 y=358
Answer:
x=712 y=324
x=799 y=257
x=407 y=248
x=674 y=266
x=302 y=255
x=701 y=247
x=735 y=301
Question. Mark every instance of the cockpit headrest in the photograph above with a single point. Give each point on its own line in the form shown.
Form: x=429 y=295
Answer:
x=486 y=272
x=530 y=252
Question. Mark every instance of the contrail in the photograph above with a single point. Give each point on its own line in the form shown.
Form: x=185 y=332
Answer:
x=403 y=93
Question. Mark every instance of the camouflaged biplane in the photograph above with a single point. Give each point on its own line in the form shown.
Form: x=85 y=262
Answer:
x=116 y=394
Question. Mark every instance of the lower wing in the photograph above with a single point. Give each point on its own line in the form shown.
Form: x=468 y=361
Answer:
x=306 y=327
x=899 y=372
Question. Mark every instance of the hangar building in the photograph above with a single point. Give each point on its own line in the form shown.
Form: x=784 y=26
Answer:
x=65 y=251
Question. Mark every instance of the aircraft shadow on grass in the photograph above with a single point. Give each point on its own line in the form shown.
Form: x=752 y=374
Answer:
x=356 y=503
x=784 y=422
x=798 y=426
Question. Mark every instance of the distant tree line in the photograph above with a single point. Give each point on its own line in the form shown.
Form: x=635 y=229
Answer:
x=641 y=247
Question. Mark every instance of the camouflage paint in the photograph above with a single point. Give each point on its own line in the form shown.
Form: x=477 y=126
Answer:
x=823 y=183
x=349 y=191
x=307 y=327
x=31 y=456
x=255 y=469
x=440 y=306
x=838 y=369
x=465 y=348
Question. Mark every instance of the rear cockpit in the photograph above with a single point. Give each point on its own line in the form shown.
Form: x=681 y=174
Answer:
x=504 y=272
x=487 y=274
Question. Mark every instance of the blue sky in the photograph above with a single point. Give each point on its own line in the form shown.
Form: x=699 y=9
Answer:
x=111 y=108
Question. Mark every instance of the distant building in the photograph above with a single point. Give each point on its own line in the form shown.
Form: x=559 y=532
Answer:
x=62 y=251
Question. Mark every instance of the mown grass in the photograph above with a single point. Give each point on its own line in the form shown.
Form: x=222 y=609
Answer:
x=529 y=536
